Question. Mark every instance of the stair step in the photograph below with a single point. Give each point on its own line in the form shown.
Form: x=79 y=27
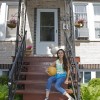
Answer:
x=30 y=82
x=70 y=91
x=38 y=85
x=35 y=75
x=36 y=68
x=33 y=82
x=40 y=95
x=39 y=60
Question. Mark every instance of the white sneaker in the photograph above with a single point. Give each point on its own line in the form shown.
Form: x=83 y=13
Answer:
x=46 y=99
x=71 y=98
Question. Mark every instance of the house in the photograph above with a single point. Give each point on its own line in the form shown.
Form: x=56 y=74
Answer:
x=47 y=22
x=87 y=39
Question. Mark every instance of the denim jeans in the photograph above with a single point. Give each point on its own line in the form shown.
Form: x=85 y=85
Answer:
x=58 y=82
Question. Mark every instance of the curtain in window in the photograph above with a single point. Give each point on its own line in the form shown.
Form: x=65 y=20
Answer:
x=80 y=12
x=96 y=10
x=97 y=29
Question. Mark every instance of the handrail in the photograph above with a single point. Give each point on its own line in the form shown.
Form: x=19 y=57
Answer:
x=74 y=69
x=16 y=68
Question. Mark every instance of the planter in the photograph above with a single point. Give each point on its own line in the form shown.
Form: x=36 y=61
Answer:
x=79 y=23
x=11 y=25
x=28 y=52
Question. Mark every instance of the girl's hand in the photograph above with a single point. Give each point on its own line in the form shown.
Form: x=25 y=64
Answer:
x=66 y=81
x=47 y=72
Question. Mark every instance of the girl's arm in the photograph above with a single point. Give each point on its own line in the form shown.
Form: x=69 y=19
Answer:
x=53 y=64
x=68 y=72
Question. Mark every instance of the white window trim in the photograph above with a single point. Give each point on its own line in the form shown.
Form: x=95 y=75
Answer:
x=93 y=75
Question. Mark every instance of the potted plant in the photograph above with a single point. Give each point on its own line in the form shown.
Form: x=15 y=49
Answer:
x=12 y=23
x=28 y=51
x=79 y=23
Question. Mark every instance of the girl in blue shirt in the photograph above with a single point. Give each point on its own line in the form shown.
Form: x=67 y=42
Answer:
x=61 y=75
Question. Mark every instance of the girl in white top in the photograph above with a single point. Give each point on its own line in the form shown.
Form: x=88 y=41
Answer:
x=61 y=76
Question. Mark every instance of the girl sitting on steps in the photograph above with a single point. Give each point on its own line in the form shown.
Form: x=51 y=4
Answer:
x=61 y=75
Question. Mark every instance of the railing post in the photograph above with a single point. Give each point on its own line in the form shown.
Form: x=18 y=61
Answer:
x=18 y=24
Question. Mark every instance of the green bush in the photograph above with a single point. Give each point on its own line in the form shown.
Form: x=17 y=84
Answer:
x=3 y=92
x=4 y=79
x=18 y=97
x=91 y=91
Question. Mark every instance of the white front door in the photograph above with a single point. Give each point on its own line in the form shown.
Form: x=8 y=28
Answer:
x=47 y=30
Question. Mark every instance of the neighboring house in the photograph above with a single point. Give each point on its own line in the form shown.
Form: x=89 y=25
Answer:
x=7 y=35
x=87 y=38
x=45 y=21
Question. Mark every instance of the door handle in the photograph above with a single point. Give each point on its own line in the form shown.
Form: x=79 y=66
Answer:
x=56 y=31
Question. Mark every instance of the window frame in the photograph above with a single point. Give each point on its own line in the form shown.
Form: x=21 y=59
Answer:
x=96 y=19
x=92 y=75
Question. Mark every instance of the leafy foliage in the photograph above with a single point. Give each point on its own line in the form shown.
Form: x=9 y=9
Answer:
x=91 y=91
x=3 y=79
x=3 y=92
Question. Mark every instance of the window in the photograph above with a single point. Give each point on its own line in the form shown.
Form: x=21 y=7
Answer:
x=97 y=29
x=96 y=9
x=86 y=77
x=97 y=74
x=0 y=8
x=4 y=72
x=12 y=11
x=97 y=20
x=81 y=13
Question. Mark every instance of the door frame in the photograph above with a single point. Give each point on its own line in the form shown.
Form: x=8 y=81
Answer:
x=38 y=27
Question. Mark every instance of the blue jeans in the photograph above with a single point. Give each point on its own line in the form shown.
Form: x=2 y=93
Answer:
x=58 y=82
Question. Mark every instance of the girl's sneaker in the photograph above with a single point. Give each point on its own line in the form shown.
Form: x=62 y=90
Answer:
x=71 y=98
x=46 y=99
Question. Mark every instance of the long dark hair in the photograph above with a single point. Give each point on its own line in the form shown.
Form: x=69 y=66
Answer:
x=65 y=67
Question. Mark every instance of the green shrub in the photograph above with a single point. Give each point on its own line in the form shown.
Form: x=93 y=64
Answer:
x=4 y=79
x=3 y=92
x=91 y=91
x=18 y=97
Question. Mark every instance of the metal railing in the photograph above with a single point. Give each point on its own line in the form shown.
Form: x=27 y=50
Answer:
x=16 y=68
x=74 y=69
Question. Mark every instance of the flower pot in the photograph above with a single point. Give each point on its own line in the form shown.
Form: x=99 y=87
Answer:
x=11 y=25
x=28 y=52
x=79 y=25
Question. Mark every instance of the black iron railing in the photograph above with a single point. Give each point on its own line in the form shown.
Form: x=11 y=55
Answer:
x=16 y=68
x=74 y=69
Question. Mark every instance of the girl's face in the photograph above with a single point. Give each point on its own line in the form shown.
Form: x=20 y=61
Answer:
x=60 y=54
